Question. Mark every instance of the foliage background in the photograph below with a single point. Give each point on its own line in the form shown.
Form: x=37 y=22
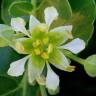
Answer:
x=77 y=83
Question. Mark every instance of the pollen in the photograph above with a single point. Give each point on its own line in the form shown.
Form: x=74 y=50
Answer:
x=19 y=47
x=37 y=51
x=70 y=68
x=70 y=36
x=45 y=55
x=36 y=43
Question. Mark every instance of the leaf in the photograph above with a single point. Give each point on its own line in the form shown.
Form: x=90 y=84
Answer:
x=83 y=18
x=90 y=66
x=20 y=8
x=4 y=10
x=7 y=84
x=7 y=56
x=62 y=6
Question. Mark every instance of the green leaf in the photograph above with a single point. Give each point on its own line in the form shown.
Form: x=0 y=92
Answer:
x=7 y=56
x=20 y=8
x=83 y=18
x=27 y=44
x=6 y=85
x=90 y=65
x=4 y=10
x=62 y=6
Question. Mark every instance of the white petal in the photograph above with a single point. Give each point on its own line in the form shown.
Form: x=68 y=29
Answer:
x=18 y=25
x=33 y=72
x=33 y=22
x=52 y=80
x=65 y=30
x=17 y=67
x=75 y=46
x=62 y=29
x=51 y=14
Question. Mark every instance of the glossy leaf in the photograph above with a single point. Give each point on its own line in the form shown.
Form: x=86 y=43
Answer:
x=7 y=55
x=20 y=8
x=83 y=18
x=4 y=10
x=6 y=85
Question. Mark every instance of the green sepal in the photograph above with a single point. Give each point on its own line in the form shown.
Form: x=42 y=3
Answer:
x=37 y=33
x=37 y=61
x=26 y=43
x=57 y=38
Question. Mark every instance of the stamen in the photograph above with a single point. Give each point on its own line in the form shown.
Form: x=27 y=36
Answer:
x=70 y=36
x=36 y=43
x=37 y=51
x=45 y=55
x=50 y=48
x=70 y=68
x=41 y=80
x=19 y=47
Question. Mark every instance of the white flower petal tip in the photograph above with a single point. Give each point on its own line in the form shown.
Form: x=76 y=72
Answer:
x=75 y=46
x=18 y=25
x=51 y=14
x=52 y=80
x=66 y=30
x=17 y=67
x=33 y=22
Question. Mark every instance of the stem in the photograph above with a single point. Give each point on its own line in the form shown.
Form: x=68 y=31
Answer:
x=10 y=92
x=34 y=6
x=24 y=84
x=74 y=57
x=43 y=91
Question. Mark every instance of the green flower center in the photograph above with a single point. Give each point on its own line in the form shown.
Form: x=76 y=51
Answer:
x=42 y=47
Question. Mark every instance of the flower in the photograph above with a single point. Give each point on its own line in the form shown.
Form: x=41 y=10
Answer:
x=43 y=46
